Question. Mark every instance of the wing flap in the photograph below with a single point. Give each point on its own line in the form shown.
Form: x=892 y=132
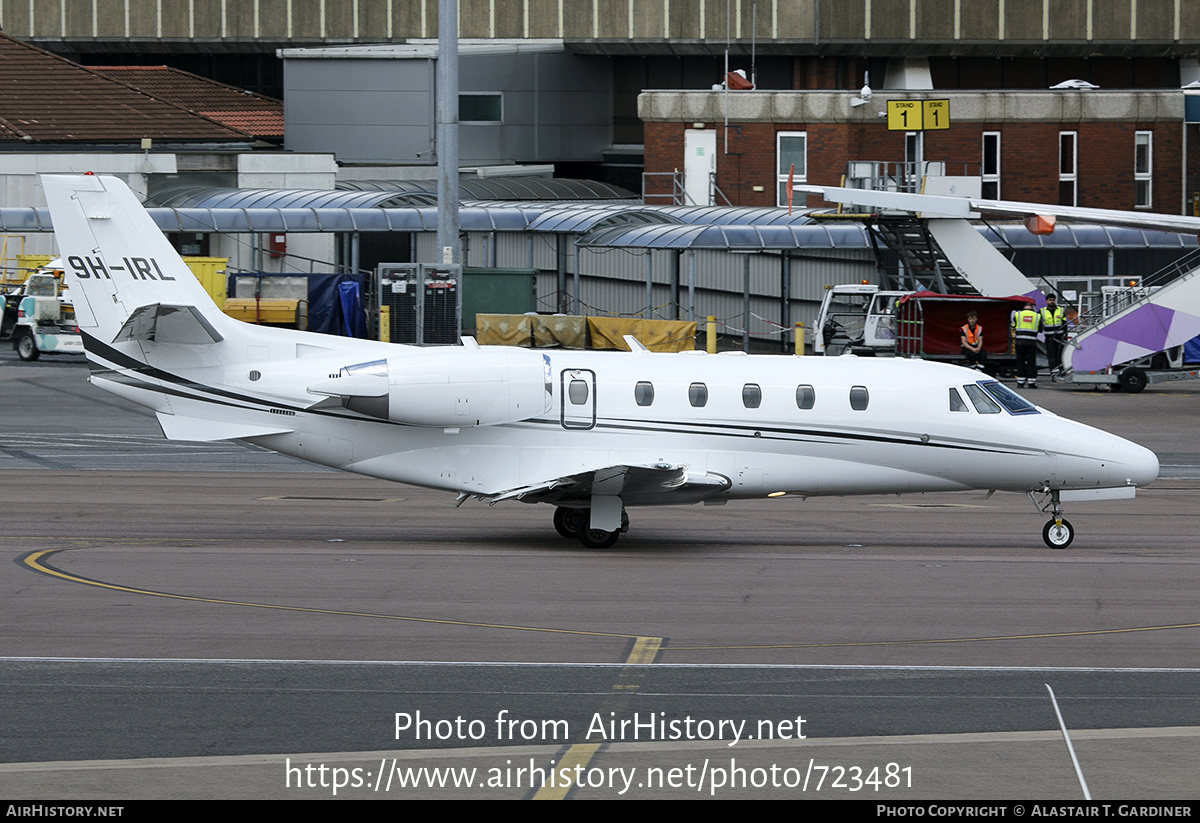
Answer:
x=657 y=485
x=200 y=430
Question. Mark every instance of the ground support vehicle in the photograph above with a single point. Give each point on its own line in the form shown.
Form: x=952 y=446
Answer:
x=865 y=320
x=40 y=319
x=1114 y=344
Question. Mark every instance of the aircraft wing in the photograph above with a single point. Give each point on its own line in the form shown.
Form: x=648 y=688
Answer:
x=935 y=205
x=659 y=484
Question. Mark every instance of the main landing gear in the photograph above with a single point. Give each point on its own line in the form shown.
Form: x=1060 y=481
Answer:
x=572 y=523
x=1058 y=532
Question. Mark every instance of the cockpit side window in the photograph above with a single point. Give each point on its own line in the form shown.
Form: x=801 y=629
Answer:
x=980 y=399
x=957 y=404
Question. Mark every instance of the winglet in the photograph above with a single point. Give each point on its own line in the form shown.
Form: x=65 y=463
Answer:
x=634 y=345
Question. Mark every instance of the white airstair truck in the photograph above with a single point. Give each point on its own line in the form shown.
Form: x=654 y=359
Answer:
x=1151 y=340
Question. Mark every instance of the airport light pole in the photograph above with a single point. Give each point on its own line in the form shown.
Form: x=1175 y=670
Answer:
x=447 y=134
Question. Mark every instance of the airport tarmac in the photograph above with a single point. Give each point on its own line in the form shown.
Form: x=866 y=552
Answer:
x=192 y=620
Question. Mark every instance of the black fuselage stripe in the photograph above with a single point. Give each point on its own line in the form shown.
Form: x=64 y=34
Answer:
x=251 y=403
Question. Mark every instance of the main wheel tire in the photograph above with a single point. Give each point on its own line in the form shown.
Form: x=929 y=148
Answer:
x=567 y=521
x=27 y=348
x=1056 y=536
x=1132 y=380
x=598 y=538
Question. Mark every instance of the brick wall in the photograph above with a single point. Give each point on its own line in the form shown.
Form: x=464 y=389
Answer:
x=1028 y=157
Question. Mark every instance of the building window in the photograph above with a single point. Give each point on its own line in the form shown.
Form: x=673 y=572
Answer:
x=481 y=108
x=1143 y=167
x=791 y=149
x=991 y=165
x=1067 y=168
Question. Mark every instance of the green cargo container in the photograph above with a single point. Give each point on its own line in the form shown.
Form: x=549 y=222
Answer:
x=497 y=291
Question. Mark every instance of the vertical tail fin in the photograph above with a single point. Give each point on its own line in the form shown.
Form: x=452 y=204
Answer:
x=115 y=259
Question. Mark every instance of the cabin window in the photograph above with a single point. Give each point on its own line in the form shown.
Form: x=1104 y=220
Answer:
x=643 y=393
x=577 y=391
x=957 y=404
x=859 y=398
x=979 y=398
x=698 y=395
x=751 y=395
x=806 y=397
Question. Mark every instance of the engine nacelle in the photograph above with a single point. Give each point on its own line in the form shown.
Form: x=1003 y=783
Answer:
x=447 y=387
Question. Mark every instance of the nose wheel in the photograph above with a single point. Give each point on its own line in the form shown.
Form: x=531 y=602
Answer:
x=1058 y=533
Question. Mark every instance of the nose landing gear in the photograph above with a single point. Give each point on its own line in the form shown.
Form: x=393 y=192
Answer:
x=1058 y=532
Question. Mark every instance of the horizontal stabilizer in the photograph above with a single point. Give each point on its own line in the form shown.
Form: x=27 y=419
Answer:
x=199 y=430
x=168 y=324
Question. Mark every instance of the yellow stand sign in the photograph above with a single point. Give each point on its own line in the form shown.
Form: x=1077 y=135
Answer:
x=918 y=115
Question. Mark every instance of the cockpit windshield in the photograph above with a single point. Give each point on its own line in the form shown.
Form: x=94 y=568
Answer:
x=980 y=399
x=988 y=396
x=1009 y=399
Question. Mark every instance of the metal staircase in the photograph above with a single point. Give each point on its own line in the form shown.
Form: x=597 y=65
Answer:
x=923 y=262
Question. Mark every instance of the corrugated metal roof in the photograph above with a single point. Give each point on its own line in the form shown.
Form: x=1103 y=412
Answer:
x=1072 y=235
x=581 y=219
x=814 y=236
x=734 y=215
x=525 y=189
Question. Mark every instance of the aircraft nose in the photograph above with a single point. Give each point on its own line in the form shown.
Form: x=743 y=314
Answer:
x=1138 y=463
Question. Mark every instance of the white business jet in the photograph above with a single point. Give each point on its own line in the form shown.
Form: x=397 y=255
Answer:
x=590 y=433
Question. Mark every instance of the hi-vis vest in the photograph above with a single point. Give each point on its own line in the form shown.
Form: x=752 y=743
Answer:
x=1053 y=321
x=972 y=335
x=1025 y=324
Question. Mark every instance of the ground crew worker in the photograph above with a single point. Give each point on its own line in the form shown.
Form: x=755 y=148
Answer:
x=972 y=342
x=1054 y=326
x=1025 y=326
